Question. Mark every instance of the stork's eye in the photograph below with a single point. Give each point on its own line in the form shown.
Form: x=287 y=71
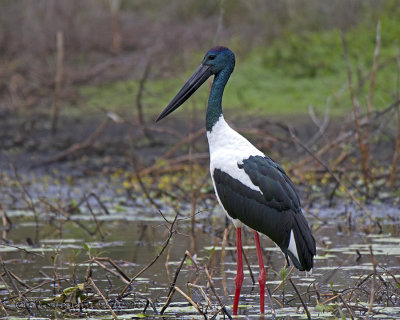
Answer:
x=211 y=57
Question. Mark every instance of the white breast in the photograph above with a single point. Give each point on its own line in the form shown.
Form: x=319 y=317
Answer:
x=228 y=149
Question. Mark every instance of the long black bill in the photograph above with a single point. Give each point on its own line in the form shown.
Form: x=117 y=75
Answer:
x=202 y=73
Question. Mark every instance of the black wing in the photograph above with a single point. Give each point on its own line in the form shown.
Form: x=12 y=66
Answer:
x=274 y=212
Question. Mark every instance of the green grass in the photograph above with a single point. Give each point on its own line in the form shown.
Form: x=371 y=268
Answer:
x=295 y=71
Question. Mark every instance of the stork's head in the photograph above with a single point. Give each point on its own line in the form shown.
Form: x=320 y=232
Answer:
x=217 y=59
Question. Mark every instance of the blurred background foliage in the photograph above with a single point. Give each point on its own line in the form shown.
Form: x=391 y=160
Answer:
x=289 y=52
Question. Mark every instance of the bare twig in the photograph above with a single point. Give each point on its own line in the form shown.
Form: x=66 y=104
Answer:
x=15 y=287
x=397 y=144
x=119 y=272
x=191 y=137
x=26 y=196
x=19 y=248
x=133 y=163
x=176 y=274
x=206 y=298
x=7 y=224
x=19 y=280
x=283 y=280
x=321 y=125
x=139 y=104
x=301 y=299
x=56 y=277
x=65 y=214
x=363 y=147
x=194 y=304
x=101 y=204
x=3 y=307
x=220 y=21
x=115 y=29
x=165 y=245
x=193 y=260
x=345 y=135
x=80 y=145
x=347 y=307
x=249 y=267
x=373 y=74
x=333 y=175
x=58 y=80
x=103 y=297
x=215 y=293
x=148 y=301
x=98 y=224
x=169 y=298
x=372 y=292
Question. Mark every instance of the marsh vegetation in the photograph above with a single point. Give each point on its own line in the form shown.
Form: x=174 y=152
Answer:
x=105 y=214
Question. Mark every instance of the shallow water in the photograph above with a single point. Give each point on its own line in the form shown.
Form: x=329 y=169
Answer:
x=133 y=233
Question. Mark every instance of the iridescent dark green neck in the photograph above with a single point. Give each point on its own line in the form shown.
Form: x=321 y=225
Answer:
x=214 y=108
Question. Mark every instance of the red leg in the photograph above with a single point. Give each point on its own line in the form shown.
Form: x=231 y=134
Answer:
x=262 y=276
x=239 y=271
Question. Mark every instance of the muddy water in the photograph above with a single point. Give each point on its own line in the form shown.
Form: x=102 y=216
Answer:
x=133 y=235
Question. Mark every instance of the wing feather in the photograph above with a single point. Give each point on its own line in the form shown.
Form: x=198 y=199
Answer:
x=274 y=211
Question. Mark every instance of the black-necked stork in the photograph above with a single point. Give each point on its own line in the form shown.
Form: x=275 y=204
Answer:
x=252 y=189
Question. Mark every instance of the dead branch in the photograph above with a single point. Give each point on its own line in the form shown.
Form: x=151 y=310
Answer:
x=103 y=297
x=344 y=136
x=301 y=299
x=27 y=198
x=169 y=298
x=320 y=125
x=119 y=272
x=210 y=282
x=193 y=260
x=373 y=74
x=3 y=308
x=194 y=304
x=115 y=29
x=19 y=280
x=249 y=267
x=15 y=287
x=172 y=286
x=148 y=302
x=171 y=232
x=206 y=298
x=98 y=224
x=3 y=243
x=7 y=224
x=397 y=143
x=176 y=274
x=191 y=137
x=175 y=164
x=347 y=307
x=116 y=266
x=139 y=94
x=372 y=292
x=333 y=175
x=65 y=214
x=101 y=204
x=133 y=163
x=283 y=280
x=80 y=145
x=363 y=147
x=58 y=80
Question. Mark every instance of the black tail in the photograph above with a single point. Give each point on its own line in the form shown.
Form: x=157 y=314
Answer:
x=305 y=243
